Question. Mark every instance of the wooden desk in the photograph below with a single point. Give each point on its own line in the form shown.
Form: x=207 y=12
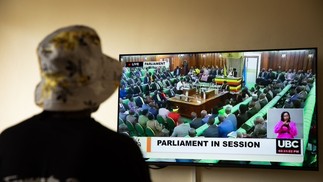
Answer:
x=197 y=104
x=189 y=92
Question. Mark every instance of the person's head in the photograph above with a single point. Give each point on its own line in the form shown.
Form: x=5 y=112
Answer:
x=297 y=103
x=243 y=108
x=225 y=82
x=221 y=118
x=132 y=112
x=180 y=120
x=151 y=104
x=122 y=110
x=228 y=110
x=262 y=96
x=252 y=104
x=144 y=112
x=150 y=116
x=285 y=116
x=75 y=73
x=260 y=131
x=193 y=115
x=255 y=98
x=123 y=128
x=210 y=121
x=299 y=89
x=192 y=132
x=259 y=120
x=203 y=113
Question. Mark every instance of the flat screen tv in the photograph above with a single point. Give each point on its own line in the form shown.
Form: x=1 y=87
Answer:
x=246 y=108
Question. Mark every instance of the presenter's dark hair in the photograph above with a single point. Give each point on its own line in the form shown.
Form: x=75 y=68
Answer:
x=282 y=116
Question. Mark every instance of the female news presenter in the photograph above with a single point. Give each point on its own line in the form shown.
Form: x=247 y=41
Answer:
x=64 y=143
x=285 y=128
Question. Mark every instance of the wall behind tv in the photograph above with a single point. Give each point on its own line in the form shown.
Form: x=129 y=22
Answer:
x=146 y=26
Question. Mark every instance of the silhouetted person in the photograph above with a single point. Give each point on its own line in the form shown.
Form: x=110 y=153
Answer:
x=64 y=142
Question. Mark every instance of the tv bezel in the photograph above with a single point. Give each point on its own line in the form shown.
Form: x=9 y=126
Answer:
x=234 y=164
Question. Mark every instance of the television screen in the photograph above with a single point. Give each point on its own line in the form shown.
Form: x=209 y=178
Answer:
x=250 y=108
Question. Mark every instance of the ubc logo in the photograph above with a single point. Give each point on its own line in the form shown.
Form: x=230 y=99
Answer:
x=288 y=146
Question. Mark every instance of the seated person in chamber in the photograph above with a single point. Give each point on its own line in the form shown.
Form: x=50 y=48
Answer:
x=242 y=115
x=156 y=127
x=259 y=130
x=181 y=130
x=174 y=114
x=159 y=97
x=225 y=86
x=225 y=126
x=196 y=122
x=205 y=116
x=123 y=92
x=179 y=86
x=192 y=132
x=212 y=130
x=231 y=116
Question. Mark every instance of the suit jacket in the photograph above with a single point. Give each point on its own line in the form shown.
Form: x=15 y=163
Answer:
x=269 y=97
x=271 y=76
x=263 y=102
x=225 y=128
x=252 y=112
x=130 y=91
x=136 y=90
x=171 y=92
x=242 y=118
x=177 y=71
x=281 y=77
x=154 y=86
x=196 y=123
x=218 y=71
x=257 y=106
x=235 y=73
x=167 y=83
x=139 y=101
x=211 y=131
x=146 y=79
x=131 y=81
x=161 y=98
x=225 y=87
x=233 y=119
x=262 y=74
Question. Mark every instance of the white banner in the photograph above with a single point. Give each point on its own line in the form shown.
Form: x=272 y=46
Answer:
x=156 y=64
x=251 y=149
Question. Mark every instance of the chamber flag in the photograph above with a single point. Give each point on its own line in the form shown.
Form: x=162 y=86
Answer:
x=244 y=73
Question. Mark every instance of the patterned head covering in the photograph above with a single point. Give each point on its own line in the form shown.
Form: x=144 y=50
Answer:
x=75 y=74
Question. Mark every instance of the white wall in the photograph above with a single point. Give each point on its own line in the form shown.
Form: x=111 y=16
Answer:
x=127 y=26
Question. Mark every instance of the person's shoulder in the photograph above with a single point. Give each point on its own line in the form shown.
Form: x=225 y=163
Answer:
x=198 y=120
x=22 y=125
x=115 y=138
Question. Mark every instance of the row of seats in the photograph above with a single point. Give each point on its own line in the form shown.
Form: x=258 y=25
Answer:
x=137 y=129
x=250 y=122
x=143 y=71
x=307 y=121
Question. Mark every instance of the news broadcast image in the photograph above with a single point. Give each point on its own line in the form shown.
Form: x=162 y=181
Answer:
x=223 y=108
